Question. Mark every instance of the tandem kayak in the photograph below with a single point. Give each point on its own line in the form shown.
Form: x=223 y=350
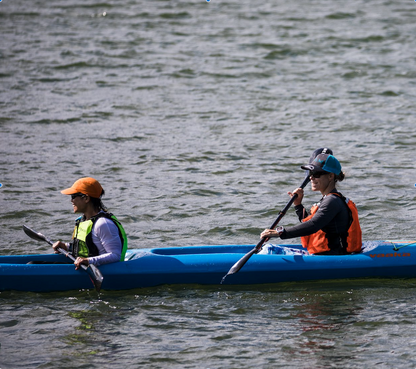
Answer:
x=207 y=265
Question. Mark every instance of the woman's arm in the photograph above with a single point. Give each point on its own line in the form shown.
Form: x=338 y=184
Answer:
x=105 y=236
x=329 y=207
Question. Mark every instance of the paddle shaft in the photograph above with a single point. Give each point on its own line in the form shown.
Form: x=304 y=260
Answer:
x=282 y=213
x=92 y=270
x=59 y=249
x=240 y=263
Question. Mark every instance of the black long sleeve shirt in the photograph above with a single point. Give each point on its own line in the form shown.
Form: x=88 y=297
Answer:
x=332 y=217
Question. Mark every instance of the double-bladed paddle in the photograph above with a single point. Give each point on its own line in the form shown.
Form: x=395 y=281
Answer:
x=240 y=263
x=93 y=272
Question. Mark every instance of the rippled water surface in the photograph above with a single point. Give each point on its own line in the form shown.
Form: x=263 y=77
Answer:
x=195 y=116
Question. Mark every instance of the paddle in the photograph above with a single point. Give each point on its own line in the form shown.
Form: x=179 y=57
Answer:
x=93 y=272
x=240 y=263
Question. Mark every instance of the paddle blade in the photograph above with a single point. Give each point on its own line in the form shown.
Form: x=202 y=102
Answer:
x=36 y=235
x=93 y=272
x=95 y=276
x=240 y=263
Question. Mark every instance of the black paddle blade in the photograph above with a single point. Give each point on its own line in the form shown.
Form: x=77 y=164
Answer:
x=239 y=264
x=93 y=272
x=95 y=276
x=36 y=235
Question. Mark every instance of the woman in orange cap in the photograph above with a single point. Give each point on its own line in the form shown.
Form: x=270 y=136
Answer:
x=98 y=237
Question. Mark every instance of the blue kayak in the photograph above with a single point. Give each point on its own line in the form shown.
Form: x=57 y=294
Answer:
x=207 y=265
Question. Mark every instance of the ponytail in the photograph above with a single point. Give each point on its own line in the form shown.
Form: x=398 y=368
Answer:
x=97 y=203
x=340 y=177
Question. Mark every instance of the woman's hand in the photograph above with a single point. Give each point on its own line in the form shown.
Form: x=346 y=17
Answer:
x=299 y=192
x=270 y=233
x=57 y=245
x=78 y=261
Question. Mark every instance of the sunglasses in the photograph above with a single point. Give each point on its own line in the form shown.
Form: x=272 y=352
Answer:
x=317 y=174
x=75 y=195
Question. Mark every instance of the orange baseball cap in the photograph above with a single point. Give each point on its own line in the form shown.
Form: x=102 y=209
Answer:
x=87 y=185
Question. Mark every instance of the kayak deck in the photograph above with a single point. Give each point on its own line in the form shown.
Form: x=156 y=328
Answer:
x=207 y=265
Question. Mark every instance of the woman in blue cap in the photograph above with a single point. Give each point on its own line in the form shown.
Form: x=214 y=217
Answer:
x=332 y=227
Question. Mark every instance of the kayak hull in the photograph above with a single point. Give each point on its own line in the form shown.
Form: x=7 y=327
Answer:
x=207 y=265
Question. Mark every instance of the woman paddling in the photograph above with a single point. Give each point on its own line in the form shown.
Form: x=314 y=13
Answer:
x=98 y=237
x=333 y=227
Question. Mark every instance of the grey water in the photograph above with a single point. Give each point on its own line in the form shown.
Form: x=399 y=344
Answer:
x=196 y=116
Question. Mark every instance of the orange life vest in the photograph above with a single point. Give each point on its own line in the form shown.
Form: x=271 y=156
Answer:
x=318 y=242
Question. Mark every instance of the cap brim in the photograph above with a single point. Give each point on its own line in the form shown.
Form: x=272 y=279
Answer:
x=313 y=168
x=69 y=191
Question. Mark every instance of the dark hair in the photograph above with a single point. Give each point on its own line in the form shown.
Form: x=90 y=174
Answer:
x=339 y=177
x=97 y=203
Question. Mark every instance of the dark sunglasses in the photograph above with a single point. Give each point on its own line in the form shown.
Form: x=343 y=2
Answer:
x=317 y=174
x=75 y=195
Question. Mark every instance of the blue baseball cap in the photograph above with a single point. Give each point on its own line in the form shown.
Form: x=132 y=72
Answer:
x=324 y=163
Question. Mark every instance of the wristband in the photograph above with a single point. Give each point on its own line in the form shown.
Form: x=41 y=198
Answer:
x=279 y=230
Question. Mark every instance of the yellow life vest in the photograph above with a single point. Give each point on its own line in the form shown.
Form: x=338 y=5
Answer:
x=82 y=244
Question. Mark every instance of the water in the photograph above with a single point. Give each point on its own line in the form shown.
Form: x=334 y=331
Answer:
x=195 y=116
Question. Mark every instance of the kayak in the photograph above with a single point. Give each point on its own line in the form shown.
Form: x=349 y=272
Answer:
x=207 y=265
